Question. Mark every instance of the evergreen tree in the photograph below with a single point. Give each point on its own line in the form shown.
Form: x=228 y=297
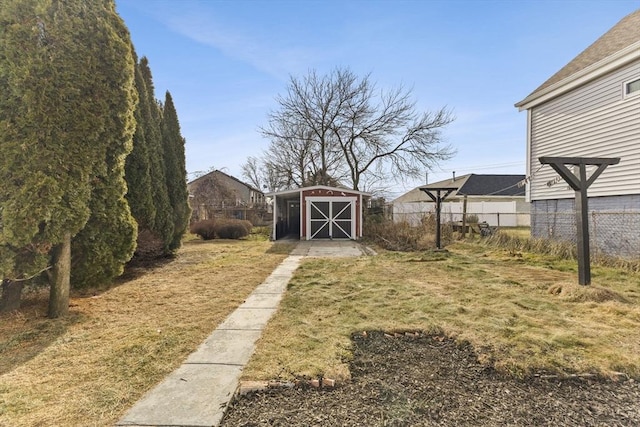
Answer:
x=101 y=249
x=162 y=225
x=138 y=174
x=60 y=100
x=176 y=173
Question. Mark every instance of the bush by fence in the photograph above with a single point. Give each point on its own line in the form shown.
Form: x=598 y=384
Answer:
x=403 y=236
x=222 y=228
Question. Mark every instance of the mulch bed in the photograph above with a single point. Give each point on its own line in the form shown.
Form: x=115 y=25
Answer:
x=430 y=380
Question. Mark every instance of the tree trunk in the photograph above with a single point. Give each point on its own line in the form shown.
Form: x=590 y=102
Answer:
x=11 y=293
x=60 y=279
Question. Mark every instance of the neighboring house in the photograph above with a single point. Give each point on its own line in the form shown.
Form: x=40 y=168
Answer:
x=498 y=200
x=318 y=212
x=217 y=194
x=590 y=108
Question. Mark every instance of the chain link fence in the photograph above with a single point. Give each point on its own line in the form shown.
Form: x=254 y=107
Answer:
x=494 y=219
x=258 y=214
x=612 y=234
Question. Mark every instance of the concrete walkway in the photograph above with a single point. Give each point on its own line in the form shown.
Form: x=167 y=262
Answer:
x=198 y=392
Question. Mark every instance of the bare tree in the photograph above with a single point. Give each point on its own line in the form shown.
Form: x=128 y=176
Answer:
x=261 y=175
x=340 y=127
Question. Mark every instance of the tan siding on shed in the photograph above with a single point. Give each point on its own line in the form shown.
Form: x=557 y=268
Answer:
x=592 y=121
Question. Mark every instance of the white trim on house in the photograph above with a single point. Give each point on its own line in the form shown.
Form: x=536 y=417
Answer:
x=625 y=85
x=582 y=77
x=529 y=167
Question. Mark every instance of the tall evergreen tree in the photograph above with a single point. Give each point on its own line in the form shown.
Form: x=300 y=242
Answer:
x=138 y=169
x=61 y=97
x=163 y=221
x=176 y=172
x=140 y=194
x=101 y=249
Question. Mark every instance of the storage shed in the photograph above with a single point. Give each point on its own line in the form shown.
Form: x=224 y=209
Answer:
x=317 y=212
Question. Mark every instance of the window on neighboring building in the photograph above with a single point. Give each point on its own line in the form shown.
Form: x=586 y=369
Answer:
x=632 y=87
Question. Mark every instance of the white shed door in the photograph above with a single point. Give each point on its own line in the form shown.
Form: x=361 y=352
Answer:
x=331 y=218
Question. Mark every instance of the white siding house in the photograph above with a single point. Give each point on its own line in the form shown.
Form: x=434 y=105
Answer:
x=590 y=108
x=496 y=199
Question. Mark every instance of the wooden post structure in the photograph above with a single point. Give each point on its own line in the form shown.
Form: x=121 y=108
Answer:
x=579 y=184
x=439 y=196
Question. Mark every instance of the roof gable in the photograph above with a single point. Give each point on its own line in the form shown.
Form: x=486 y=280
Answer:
x=625 y=35
x=218 y=172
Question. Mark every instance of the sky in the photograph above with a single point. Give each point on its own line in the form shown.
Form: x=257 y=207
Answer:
x=225 y=62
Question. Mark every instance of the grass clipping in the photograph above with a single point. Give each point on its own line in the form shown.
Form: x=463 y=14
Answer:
x=90 y=367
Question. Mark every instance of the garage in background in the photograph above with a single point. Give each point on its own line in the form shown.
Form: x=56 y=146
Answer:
x=318 y=212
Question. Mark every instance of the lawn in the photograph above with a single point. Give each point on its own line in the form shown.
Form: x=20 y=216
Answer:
x=89 y=368
x=524 y=313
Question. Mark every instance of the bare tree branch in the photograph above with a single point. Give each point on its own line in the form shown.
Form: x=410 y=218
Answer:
x=339 y=126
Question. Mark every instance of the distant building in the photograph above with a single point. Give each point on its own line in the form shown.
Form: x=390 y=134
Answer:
x=498 y=200
x=217 y=194
x=590 y=108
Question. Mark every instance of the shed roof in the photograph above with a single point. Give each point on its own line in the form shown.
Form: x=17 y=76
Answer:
x=316 y=187
x=622 y=40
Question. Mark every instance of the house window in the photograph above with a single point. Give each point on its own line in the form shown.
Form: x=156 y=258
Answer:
x=632 y=87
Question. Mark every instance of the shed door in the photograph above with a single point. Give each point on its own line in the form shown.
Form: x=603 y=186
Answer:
x=331 y=218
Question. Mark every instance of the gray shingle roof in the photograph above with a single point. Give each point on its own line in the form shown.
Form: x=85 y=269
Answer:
x=492 y=185
x=483 y=185
x=622 y=35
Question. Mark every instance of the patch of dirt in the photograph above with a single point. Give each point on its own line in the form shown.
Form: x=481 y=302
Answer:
x=431 y=380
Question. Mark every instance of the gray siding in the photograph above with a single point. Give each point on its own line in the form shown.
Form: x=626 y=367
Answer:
x=614 y=223
x=595 y=120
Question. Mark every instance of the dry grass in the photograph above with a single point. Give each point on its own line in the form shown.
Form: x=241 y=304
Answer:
x=523 y=312
x=89 y=368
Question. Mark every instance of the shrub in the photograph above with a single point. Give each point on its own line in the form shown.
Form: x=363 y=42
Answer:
x=205 y=229
x=402 y=236
x=231 y=228
x=248 y=225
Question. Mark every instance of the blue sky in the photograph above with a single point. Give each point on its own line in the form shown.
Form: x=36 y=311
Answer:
x=225 y=62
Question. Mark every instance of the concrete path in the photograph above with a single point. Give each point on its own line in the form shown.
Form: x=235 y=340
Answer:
x=197 y=393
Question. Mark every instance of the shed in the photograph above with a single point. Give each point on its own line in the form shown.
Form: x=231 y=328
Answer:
x=317 y=212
